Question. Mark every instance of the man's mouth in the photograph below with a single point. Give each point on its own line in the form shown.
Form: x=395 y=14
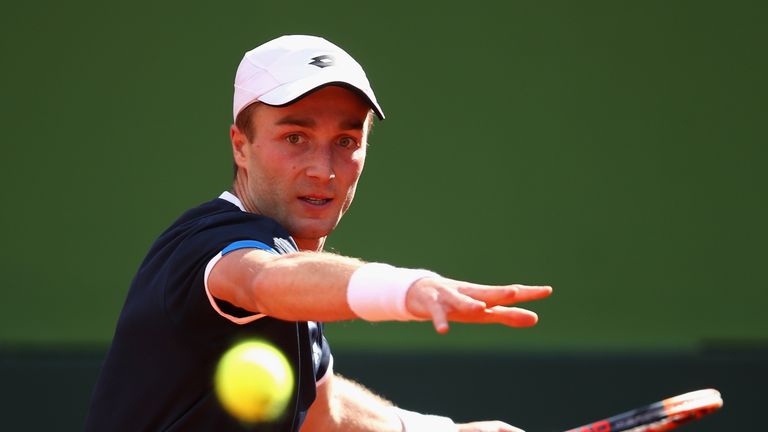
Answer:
x=315 y=200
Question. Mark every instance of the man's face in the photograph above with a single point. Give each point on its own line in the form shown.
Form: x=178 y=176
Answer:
x=302 y=166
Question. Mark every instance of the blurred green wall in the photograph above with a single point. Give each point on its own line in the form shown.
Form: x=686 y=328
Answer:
x=615 y=150
x=537 y=391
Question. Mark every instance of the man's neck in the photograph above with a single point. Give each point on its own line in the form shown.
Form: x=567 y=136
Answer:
x=309 y=245
x=238 y=189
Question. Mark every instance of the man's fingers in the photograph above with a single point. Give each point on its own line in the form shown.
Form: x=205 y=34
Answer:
x=528 y=293
x=472 y=303
x=451 y=302
x=456 y=301
x=508 y=316
x=505 y=294
x=513 y=317
x=439 y=317
x=491 y=295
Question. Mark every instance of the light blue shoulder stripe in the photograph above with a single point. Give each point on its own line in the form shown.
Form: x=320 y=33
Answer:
x=247 y=244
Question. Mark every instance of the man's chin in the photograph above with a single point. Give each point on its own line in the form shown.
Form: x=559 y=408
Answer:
x=311 y=230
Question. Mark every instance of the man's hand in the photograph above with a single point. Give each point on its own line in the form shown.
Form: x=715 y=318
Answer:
x=487 y=426
x=443 y=300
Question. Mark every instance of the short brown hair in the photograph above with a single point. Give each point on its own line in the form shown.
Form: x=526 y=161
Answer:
x=244 y=123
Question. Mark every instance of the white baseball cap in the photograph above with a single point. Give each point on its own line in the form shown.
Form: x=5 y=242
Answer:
x=285 y=69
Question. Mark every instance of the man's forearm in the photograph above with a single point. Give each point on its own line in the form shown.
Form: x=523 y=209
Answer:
x=306 y=284
x=347 y=406
x=314 y=286
x=296 y=287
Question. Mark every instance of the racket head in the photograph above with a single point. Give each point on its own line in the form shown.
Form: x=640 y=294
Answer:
x=686 y=408
x=660 y=416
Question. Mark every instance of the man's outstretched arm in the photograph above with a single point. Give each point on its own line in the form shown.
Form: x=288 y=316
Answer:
x=315 y=286
x=343 y=405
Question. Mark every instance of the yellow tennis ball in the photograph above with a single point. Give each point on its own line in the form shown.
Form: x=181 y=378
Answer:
x=254 y=382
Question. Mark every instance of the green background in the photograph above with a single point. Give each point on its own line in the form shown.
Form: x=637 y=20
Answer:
x=615 y=150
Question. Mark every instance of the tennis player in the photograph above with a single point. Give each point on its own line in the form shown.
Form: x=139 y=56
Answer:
x=250 y=263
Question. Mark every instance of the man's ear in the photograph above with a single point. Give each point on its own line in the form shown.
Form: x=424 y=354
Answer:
x=239 y=146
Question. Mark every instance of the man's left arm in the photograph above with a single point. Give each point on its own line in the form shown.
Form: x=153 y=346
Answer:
x=345 y=405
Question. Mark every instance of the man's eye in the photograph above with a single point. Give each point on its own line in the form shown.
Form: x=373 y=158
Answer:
x=294 y=138
x=348 y=142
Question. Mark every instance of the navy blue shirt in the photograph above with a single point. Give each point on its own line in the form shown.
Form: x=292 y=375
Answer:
x=158 y=373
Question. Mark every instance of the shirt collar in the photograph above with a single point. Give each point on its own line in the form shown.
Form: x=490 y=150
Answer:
x=228 y=196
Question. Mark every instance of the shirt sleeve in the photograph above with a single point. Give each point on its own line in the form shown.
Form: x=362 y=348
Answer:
x=224 y=309
x=194 y=252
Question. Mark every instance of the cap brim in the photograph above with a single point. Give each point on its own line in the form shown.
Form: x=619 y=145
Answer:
x=289 y=93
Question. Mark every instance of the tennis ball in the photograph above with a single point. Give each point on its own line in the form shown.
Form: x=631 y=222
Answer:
x=254 y=381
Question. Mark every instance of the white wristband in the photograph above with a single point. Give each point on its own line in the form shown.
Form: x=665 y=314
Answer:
x=415 y=422
x=376 y=292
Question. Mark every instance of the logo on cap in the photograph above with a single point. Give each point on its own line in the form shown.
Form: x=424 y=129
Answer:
x=322 y=61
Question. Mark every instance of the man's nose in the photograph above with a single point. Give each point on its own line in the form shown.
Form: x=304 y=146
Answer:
x=320 y=165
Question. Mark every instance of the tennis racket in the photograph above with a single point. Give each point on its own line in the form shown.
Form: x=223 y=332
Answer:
x=660 y=416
